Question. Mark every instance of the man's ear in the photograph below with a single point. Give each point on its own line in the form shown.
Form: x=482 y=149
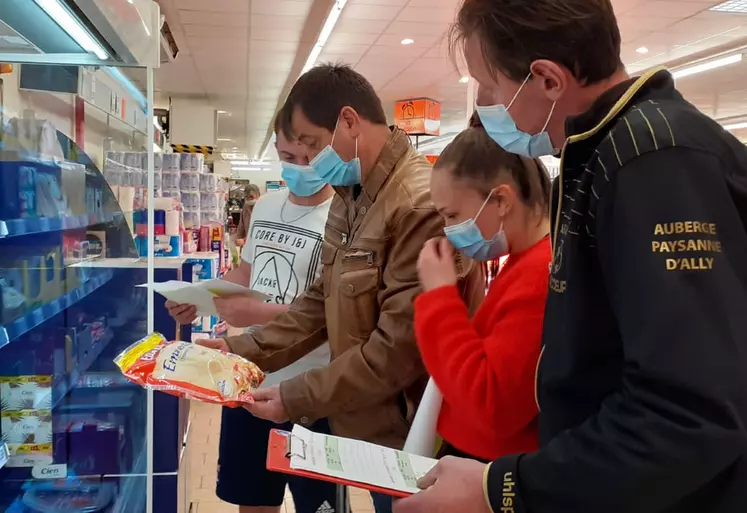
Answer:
x=350 y=121
x=552 y=78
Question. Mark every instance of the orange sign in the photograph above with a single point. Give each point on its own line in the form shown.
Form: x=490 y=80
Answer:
x=420 y=116
x=432 y=158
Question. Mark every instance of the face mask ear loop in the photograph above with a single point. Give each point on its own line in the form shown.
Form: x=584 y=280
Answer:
x=519 y=91
x=356 y=148
x=549 y=117
x=483 y=205
x=337 y=123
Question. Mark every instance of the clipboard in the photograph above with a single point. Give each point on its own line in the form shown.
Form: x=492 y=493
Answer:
x=278 y=460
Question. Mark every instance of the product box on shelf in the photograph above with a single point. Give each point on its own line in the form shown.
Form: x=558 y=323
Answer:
x=31 y=188
x=26 y=392
x=205 y=266
x=29 y=281
x=28 y=434
x=164 y=245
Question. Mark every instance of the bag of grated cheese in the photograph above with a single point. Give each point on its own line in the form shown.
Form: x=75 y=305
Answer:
x=191 y=371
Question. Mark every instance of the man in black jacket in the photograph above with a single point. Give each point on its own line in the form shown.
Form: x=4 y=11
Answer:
x=643 y=380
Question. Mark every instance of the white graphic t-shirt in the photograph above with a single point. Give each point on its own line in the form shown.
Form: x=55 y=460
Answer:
x=284 y=247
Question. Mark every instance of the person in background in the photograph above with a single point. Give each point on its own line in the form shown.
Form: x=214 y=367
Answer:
x=495 y=204
x=251 y=195
x=642 y=381
x=380 y=218
x=280 y=259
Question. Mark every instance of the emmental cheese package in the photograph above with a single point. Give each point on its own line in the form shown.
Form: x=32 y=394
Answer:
x=191 y=371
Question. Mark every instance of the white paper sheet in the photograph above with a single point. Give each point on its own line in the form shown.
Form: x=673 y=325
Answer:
x=202 y=293
x=357 y=461
x=421 y=439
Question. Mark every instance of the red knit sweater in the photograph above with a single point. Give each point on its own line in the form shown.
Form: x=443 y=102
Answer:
x=485 y=367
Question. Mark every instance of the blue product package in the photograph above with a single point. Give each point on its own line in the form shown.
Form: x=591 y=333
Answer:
x=203 y=268
x=168 y=246
x=17 y=190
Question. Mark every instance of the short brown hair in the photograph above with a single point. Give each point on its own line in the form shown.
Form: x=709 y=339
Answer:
x=323 y=91
x=475 y=158
x=581 y=35
x=252 y=191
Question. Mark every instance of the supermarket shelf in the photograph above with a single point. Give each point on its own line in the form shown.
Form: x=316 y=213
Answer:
x=36 y=317
x=66 y=384
x=32 y=225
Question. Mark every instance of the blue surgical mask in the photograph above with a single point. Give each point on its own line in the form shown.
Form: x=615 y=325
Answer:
x=467 y=238
x=332 y=169
x=501 y=127
x=301 y=180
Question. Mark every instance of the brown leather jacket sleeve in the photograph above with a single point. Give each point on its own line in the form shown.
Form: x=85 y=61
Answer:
x=389 y=361
x=290 y=336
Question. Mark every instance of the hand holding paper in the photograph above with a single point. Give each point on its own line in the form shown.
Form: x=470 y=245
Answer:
x=202 y=294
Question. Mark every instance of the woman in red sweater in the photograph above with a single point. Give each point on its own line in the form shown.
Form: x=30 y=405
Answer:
x=495 y=204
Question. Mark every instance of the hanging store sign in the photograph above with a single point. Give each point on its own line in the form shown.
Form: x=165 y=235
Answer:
x=419 y=116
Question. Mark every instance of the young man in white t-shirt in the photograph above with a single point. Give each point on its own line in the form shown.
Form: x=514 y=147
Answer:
x=281 y=258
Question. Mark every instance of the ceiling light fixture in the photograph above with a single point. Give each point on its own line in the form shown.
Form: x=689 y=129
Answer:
x=120 y=77
x=240 y=162
x=251 y=168
x=464 y=80
x=641 y=49
x=73 y=27
x=224 y=112
x=736 y=126
x=408 y=41
x=224 y=139
x=707 y=65
x=732 y=6
x=327 y=28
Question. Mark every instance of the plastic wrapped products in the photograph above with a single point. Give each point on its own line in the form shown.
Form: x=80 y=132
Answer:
x=190 y=201
x=172 y=161
x=171 y=180
x=208 y=182
x=190 y=181
x=191 y=371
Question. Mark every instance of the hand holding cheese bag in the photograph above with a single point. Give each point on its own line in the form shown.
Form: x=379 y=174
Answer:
x=191 y=371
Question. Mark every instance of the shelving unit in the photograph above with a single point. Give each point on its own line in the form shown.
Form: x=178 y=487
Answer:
x=69 y=294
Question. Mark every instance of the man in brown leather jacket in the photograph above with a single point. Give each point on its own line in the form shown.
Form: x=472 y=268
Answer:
x=378 y=222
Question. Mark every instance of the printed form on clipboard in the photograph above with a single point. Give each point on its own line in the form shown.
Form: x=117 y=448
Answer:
x=357 y=462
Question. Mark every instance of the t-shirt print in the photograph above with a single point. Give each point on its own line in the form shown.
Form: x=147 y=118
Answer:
x=286 y=259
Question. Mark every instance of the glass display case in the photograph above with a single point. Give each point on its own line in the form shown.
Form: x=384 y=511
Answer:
x=76 y=436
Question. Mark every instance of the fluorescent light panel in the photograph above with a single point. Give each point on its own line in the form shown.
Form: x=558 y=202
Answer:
x=733 y=6
x=73 y=27
x=251 y=168
x=326 y=31
x=707 y=65
x=120 y=77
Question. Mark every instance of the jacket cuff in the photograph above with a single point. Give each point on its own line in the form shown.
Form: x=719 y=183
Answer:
x=501 y=485
x=239 y=345
x=297 y=401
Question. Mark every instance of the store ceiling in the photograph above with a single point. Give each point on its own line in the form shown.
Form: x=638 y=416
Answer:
x=243 y=55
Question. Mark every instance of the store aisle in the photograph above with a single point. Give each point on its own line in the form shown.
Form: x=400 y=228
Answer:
x=203 y=461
